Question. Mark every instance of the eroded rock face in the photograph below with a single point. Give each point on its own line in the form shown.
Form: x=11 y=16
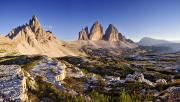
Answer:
x=31 y=39
x=83 y=35
x=31 y=33
x=34 y=24
x=40 y=34
x=112 y=34
x=161 y=82
x=53 y=71
x=12 y=84
x=96 y=32
x=87 y=31
x=138 y=77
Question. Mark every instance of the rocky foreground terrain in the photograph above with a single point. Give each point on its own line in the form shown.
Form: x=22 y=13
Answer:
x=143 y=77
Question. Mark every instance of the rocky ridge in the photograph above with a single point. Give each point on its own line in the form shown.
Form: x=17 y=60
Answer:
x=83 y=35
x=96 y=34
x=31 y=38
x=112 y=34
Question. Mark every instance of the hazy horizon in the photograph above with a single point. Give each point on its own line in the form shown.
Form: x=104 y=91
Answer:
x=135 y=19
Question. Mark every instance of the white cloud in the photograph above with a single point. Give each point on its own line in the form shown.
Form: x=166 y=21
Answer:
x=48 y=27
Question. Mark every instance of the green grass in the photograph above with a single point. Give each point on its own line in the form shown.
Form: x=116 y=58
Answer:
x=164 y=87
x=76 y=84
x=100 y=66
x=2 y=59
x=2 y=51
x=26 y=62
x=47 y=90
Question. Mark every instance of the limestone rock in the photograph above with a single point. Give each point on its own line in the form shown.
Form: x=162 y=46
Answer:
x=35 y=24
x=161 y=82
x=31 y=39
x=31 y=33
x=87 y=31
x=12 y=84
x=172 y=94
x=96 y=32
x=53 y=71
x=112 y=34
x=83 y=34
x=138 y=77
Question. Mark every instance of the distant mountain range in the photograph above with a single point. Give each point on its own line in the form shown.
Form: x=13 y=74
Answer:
x=31 y=38
x=173 y=46
x=146 y=41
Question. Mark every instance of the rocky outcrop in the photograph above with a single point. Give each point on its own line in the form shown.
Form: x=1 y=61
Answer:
x=138 y=77
x=53 y=71
x=87 y=31
x=83 y=34
x=112 y=34
x=35 y=24
x=40 y=34
x=12 y=84
x=96 y=32
x=161 y=82
x=172 y=94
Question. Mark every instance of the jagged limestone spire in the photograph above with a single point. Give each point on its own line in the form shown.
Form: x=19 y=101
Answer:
x=34 y=24
x=96 y=32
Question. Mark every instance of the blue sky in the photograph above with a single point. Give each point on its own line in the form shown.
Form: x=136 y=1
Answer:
x=133 y=18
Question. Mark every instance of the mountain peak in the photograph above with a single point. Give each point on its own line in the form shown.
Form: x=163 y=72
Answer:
x=97 y=22
x=31 y=33
x=34 y=24
x=83 y=34
x=112 y=34
x=96 y=32
x=111 y=25
x=147 y=41
x=34 y=17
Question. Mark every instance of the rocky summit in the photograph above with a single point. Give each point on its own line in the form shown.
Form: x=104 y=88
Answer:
x=31 y=33
x=96 y=32
x=112 y=34
x=96 y=43
x=83 y=35
x=31 y=38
